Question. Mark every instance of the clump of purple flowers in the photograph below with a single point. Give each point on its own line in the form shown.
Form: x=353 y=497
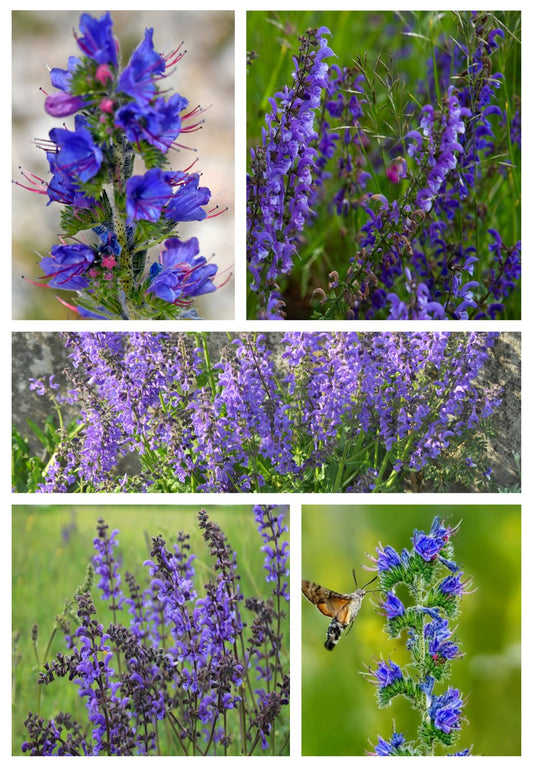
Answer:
x=339 y=412
x=184 y=668
x=432 y=586
x=281 y=176
x=122 y=114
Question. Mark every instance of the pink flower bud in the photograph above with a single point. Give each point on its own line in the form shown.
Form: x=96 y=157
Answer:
x=107 y=105
x=103 y=74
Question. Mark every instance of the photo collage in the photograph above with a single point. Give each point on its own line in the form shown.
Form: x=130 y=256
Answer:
x=265 y=334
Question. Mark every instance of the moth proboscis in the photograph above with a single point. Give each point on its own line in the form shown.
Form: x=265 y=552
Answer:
x=343 y=608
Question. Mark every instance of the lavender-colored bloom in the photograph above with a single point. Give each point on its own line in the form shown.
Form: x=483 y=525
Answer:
x=280 y=182
x=271 y=529
x=106 y=565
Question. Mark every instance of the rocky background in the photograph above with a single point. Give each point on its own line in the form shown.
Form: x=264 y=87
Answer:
x=39 y=354
x=206 y=76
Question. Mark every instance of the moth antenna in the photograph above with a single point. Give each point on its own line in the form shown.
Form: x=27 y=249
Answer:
x=355 y=579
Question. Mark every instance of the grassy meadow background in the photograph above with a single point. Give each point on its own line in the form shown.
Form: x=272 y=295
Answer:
x=51 y=549
x=339 y=709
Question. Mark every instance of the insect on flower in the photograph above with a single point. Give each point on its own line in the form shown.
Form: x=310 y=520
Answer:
x=343 y=608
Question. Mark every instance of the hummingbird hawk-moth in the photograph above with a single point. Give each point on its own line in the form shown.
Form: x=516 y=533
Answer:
x=343 y=608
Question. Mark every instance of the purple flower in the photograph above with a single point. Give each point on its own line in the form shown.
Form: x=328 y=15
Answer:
x=392 y=606
x=386 y=673
x=437 y=635
x=138 y=78
x=388 y=558
x=446 y=711
x=106 y=566
x=77 y=156
x=147 y=195
x=97 y=40
x=158 y=125
x=63 y=104
x=183 y=273
x=271 y=529
x=385 y=748
x=67 y=264
x=186 y=203
x=429 y=546
x=281 y=180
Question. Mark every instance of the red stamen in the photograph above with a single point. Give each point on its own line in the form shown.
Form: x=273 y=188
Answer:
x=174 y=57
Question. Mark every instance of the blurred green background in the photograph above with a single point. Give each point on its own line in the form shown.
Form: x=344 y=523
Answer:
x=339 y=709
x=51 y=549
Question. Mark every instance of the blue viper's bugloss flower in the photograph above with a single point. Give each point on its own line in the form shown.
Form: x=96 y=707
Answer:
x=446 y=710
x=392 y=606
x=138 y=78
x=67 y=265
x=386 y=673
x=96 y=40
x=76 y=154
x=182 y=273
x=159 y=125
x=389 y=748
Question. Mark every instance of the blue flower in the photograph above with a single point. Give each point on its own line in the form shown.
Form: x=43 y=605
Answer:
x=76 y=157
x=146 y=195
x=138 y=78
x=159 y=124
x=429 y=546
x=386 y=673
x=67 y=264
x=445 y=711
x=186 y=203
x=97 y=39
x=389 y=748
x=392 y=606
x=182 y=273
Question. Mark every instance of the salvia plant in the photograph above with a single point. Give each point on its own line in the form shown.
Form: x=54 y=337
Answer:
x=182 y=669
x=381 y=188
x=337 y=412
x=111 y=175
x=422 y=588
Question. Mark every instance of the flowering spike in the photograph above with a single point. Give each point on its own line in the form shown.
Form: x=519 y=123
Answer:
x=119 y=113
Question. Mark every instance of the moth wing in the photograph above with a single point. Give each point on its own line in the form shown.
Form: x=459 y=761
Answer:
x=337 y=606
x=328 y=602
